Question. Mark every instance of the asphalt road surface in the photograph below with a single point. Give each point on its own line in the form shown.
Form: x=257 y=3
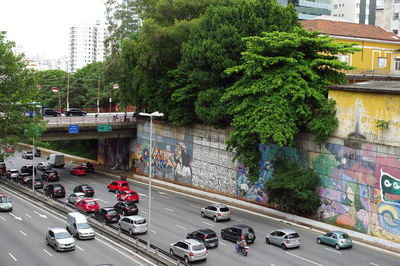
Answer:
x=174 y=215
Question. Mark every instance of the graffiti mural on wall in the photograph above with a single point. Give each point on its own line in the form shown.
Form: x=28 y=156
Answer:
x=113 y=153
x=171 y=158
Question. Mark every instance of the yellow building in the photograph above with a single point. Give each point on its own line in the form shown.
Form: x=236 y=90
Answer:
x=380 y=54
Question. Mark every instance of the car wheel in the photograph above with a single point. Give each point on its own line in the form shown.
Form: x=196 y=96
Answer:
x=171 y=252
x=319 y=240
x=283 y=246
x=108 y=189
x=124 y=213
x=56 y=248
x=116 y=191
x=215 y=219
x=337 y=246
x=119 y=227
x=223 y=236
x=267 y=240
x=187 y=259
x=203 y=215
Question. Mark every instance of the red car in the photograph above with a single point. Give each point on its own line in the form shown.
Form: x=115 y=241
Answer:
x=9 y=149
x=128 y=195
x=87 y=205
x=78 y=170
x=118 y=186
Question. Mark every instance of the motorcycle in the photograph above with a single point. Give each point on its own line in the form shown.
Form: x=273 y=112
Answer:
x=123 y=177
x=243 y=250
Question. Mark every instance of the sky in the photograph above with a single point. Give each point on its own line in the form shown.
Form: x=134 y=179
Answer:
x=42 y=26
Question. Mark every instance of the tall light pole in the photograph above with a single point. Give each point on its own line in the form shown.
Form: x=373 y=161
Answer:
x=151 y=133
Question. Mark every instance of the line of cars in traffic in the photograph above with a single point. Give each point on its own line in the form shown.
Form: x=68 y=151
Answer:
x=69 y=112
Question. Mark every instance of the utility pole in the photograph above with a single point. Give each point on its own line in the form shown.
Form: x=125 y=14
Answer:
x=67 y=91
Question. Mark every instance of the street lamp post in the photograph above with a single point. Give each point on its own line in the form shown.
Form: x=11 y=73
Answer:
x=151 y=133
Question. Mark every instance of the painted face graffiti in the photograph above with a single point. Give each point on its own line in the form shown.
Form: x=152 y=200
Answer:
x=390 y=187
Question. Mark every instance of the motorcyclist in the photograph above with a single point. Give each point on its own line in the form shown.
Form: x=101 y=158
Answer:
x=123 y=177
x=242 y=243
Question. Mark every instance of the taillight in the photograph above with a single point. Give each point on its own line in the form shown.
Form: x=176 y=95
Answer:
x=54 y=191
x=191 y=254
x=341 y=241
x=107 y=215
x=206 y=251
x=204 y=237
x=133 y=226
x=48 y=176
x=287 y=241
x=63 y=189
x=219 y=214
x=230 y=212
x=126 y=209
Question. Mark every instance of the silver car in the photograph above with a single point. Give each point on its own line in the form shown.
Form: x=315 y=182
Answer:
x=217 y=212
x=189 y=250
x=133 y=224
x=76 y=197
x=5 y=204
x=285 y=238
x=43 y=166
x=60 y=239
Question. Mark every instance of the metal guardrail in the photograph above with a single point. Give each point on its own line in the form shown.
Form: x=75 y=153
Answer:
x=137 y=245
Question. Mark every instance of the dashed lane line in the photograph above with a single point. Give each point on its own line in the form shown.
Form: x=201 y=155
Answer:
x=208 y=224
x=27 y=215
x=22 y=233
x=11 y=255
x=334 y=251
x=180 y=226
x=168 y=209
x=300 y=257
x=81 y=249
x=372 y=263
x=154 y=232
x=48 y=253
x=3 y=218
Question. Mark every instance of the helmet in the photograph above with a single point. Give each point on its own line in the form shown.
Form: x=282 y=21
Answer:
x=242 y=237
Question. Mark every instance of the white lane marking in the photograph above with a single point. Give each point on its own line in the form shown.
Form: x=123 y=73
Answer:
x=142 y=195
x=208 y=224
x=22 y=233
x=3 y=218
x=236 y=219
x=11 y=255
x=180 y=226
x=299 y=257
x=194 y=206
x=162 y=193
x=28 y=215
x=374 y=263
x=16 y=217
x=272 y=264
x=48 y=253
x=41 y=215
x=333 y=250
x=154 y=232
x=145 y=212
x=169 y=210
x=222 y=243
x=164 y=197
x=81 y=249
x=101 y=200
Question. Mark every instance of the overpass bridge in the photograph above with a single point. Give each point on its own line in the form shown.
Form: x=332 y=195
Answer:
x=105 y=125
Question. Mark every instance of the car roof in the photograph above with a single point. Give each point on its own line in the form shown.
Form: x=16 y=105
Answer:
x=339 y=232
x=14 y=170
x=218 y=205
x=205 y=231
x=285 y=230
x=58 y=229
x=89 y=200
x=109 y=208
x=121 y=182
x=241 y=226
x=79 y=193
x=135 y=217
x=191 y=241
x=129 y=191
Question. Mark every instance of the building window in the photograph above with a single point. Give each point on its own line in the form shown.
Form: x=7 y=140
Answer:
x=395 y=15
x=344 y=58
x=381 y=61
x=397 y=66
x=395 y=31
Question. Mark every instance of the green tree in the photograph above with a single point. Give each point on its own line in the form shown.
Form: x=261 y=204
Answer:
x=293 y=188
x=17 y=90
x=48 y=79
x=214 y=45
x=283 y=90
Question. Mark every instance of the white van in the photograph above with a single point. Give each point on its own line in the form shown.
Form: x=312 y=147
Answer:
x=56 y=160
x=78 y=226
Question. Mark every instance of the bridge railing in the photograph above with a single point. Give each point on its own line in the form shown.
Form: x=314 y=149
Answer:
x=102 y=118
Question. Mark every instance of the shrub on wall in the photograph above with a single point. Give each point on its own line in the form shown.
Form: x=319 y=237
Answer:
x=293 y=188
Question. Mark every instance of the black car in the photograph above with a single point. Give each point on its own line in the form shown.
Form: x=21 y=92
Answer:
x=51 y=112
x=38 y=183
x=206 y=236
x=234 y=233
x=28 y=169
x=38 y=153
x=126 y=208
x=24 y=177
x=107 y=215
x=89 y=167
x=51 y=176
x=75 y=112
x=88 y=190
x=55 y=191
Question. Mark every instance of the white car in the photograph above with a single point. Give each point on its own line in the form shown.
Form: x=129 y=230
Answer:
x=5 y=203
x=76 y=197
x=60 y=239
x=133 y=224
x=43 y=166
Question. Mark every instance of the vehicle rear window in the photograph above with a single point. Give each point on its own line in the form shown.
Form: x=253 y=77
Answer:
x=143 y=221
x=132 y=193
x=293 y=235
x=57 y=188
x=224 y=209
x=112 y=212
x=344 y=236
x=86 y=187
x=212 y=235
x=131 y=205
x=248 y=230
x=198 y=247
x=124 y=185
x=91 y=203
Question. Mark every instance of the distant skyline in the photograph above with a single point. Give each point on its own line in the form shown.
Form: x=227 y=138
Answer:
x=42 y=26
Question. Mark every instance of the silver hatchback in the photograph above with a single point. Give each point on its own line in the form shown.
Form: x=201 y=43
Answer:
x=189 y=250
x=217 y=212
x=60 y=239
x=76 y=197
x=285 y=238
x=133 y=224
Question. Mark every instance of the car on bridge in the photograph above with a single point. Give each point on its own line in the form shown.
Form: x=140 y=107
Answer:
x=234 y=233
x=51 y=112
x=38 y=183
x=134 y=224
x=12 y=173
x=54 y=191
x=107 y=215
x=189 y=249
x=217 y=212
x=28 y=169
x=75 y=112
x=206 y=236
x=338 y=239
x=78 y=170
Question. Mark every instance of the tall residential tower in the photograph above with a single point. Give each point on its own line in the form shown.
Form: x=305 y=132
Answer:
x=309 y=9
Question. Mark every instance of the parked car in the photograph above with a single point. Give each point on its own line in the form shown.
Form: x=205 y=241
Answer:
x=75 y=112
x=12 y=173
x=89 y=167
x=27 y=155
x=60 y=239
x=86 y=189
x=189 y=249
x=78 y=170
x=338 y=239
x=233 y=233
x=5 y=203
x=28 y=169
x=51 y=176
x=43 y=166
x=75 y=197
x=54 y=191
x=128 y=195
x=87 y=205
x=217 y=212
x=107 y=215
x=38 y=183
x=51 y=112
x=285 y=238
x=126 y=208
x=206 y=236
x=118 y=186
x=134 y=224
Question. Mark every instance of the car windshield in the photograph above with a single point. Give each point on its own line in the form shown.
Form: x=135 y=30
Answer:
x=224 y=209
x=61 y=235
x=212 y=235
x=293 y=235
x=143 y=221
x=131 y=193
x=344 y=236
x=198 y=247
x=86 y=188
x=83 y=226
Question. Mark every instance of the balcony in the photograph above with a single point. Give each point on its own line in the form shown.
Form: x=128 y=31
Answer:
x=360 y=74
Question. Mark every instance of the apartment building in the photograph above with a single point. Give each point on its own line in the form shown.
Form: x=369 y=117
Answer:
x=309 y=9
x=387 y=15
x=356 y=11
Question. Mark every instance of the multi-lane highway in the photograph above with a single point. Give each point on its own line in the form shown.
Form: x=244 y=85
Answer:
x=173 y=216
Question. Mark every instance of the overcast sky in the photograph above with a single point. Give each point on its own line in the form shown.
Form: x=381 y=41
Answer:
x=42 y=26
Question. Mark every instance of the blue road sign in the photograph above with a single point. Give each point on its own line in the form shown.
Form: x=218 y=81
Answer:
x=73 y=129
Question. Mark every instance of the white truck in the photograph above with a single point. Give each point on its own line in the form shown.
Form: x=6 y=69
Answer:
x=56 y=160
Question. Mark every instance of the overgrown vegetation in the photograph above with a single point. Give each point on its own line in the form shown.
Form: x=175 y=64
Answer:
x=293 y=188
x=82 y=148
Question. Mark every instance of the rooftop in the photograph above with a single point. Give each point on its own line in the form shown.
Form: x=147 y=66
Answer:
x=370 y=86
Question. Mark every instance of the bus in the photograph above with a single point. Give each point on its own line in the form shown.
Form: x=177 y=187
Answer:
x=35 y=108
